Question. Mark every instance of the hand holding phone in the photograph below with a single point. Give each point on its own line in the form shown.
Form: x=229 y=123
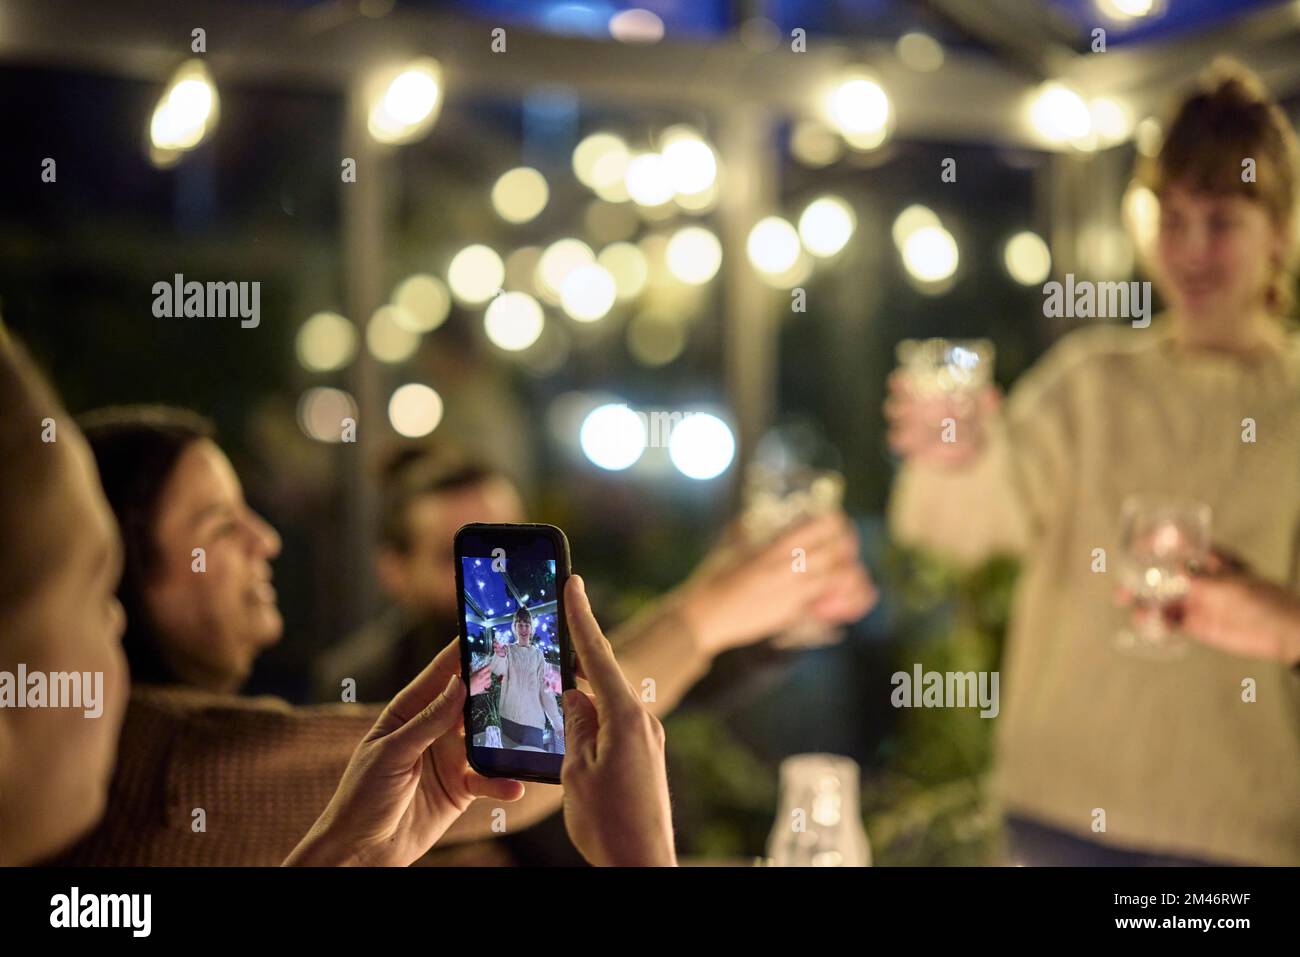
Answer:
x=616 y=806
x=407 y=781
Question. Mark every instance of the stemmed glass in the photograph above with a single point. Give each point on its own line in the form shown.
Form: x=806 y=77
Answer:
x=1165 y=541
x=946 y=367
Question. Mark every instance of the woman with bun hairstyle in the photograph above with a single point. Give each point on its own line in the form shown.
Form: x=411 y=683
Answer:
x=1112 y=758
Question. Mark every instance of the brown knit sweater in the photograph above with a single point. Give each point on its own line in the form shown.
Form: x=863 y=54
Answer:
x=261 y=770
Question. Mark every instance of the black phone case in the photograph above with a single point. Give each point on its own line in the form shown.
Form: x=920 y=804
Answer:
x=563 y=569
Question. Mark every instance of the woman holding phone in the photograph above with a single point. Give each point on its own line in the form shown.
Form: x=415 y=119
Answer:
x=1104 y=757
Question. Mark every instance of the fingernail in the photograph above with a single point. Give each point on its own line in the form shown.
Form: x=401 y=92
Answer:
x=582 y=585
x=451 y=685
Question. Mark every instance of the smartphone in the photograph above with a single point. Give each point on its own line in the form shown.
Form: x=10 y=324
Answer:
x=515 y=654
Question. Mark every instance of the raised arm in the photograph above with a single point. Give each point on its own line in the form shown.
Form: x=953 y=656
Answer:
x=981 y=476
x=547 y=700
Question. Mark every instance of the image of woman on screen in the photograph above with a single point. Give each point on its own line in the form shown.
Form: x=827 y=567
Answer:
x=526 y=702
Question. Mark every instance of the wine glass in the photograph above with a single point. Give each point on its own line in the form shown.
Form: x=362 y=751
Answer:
x=944 y=379
x=780 y=497
x=938 y=368
x=1165 y=540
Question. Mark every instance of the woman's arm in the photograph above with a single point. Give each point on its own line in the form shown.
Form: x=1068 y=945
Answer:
x=965 y=513
x=547 y=699
x=1001 y=471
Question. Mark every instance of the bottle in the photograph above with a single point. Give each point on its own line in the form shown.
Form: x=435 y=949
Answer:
x=819 y=823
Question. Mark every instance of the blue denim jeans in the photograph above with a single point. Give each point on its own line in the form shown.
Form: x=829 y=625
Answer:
x=1039 y=845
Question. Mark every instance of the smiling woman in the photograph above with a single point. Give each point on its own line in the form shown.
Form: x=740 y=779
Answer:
x=197 y=586
x=1116 y=411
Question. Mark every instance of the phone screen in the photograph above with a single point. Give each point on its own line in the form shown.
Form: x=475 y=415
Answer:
x=514 y=647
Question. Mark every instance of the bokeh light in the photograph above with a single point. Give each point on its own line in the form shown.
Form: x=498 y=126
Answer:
x=613 y=437
x=409 y=103
x=920 y=51
x=627 y=264
x=1060 y=115
x=648 y=181
x=520 y=194
x=388 y=339
x=414 y=410
x=475 y=274
x=1027 y=258
x=930 y=254
x=326 y=342
x=691 y=164
x=826 y=225
x=909 y=221
x=600 y=163
x=588 y=293
x=773 y=246
x=860 y=110
x=186 y=112
x=693 y=255
x=321 y=413
x=513 y=321
x=423 y=303
x=558 y=260
x=636 y=25
x=701 y=446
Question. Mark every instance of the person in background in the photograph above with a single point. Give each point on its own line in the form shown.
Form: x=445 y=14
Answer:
x=425 y=497
x=1183 y=768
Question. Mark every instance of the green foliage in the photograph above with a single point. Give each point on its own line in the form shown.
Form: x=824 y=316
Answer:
x=930 y=804
x=486 y=708
x=726 y=810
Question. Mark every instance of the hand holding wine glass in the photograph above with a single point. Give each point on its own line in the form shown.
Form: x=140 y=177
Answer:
x=940 y=400
x=1165 y=541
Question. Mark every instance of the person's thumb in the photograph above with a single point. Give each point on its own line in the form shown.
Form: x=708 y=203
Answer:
x=434 y=720
x=580 y=724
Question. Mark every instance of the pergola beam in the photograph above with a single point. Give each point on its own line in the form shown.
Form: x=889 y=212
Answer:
x=288 y=47
x=1267 y=41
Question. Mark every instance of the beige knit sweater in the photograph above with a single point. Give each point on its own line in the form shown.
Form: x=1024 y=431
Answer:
x=1168 y=749
x=525 y=698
